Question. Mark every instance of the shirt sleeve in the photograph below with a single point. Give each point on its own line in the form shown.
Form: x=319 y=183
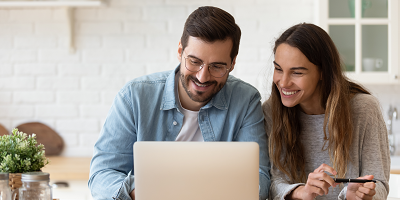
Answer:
x=252 y=129
x=111 y=165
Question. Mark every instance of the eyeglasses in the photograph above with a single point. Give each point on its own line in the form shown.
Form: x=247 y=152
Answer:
x=217 y=70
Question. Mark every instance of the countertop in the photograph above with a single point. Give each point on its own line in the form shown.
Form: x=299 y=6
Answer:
x=77 y=168
x=395 y=165
x=68 y=168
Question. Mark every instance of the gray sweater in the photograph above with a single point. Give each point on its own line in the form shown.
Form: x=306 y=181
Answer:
x=369 y=150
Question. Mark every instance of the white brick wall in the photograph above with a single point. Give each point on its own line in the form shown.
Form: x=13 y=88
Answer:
x=72 y=93
x=35 y=69
x=33 y=97
x=56 y=83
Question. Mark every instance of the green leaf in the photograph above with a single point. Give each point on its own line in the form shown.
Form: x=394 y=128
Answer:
x=20 y=153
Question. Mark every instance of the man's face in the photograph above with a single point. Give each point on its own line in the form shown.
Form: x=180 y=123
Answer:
x=201 y=86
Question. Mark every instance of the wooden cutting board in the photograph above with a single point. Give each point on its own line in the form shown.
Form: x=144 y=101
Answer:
x=52 y=142
x=3 y=131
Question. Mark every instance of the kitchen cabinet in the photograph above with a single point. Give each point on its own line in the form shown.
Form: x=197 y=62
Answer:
x=366 y=33
x=73 y=171
x=395 y=165
x=76 y=190
x=394 y=182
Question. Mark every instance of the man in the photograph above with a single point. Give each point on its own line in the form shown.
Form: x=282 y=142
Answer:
x=198 y=101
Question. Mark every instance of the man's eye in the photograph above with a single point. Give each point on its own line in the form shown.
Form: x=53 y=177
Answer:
x=218 y=67
x=195 y=62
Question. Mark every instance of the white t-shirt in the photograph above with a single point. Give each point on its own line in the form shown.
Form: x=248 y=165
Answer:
x=190 y=129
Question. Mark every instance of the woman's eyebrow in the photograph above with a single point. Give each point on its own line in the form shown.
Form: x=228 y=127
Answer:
x=293 y=68
x=298 y=68
x=276 y=64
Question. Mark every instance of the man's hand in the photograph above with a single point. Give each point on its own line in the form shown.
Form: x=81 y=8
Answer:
x=132 y=194
x=364 y=191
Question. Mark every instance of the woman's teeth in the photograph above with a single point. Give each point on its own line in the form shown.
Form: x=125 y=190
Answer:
x=289 y=93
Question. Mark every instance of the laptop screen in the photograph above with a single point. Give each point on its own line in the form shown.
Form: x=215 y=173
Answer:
x=196 y=170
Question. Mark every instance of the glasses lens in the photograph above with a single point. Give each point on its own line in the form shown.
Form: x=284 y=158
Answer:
x=193 y=64
x=217 y=70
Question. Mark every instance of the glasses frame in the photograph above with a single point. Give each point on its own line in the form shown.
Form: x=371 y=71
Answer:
x=208 y=67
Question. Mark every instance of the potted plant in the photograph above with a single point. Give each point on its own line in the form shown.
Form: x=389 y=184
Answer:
x=19 y=153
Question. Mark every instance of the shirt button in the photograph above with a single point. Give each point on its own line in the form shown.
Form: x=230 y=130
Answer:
x=175 y=123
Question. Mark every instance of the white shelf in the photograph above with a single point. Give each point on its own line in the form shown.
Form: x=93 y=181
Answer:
x=67 y=5
x=52 y=3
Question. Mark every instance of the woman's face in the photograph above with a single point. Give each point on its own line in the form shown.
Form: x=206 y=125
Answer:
x=297 y=80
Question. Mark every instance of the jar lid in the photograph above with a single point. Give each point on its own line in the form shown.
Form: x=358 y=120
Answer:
x=3 y=176
x=35 y=176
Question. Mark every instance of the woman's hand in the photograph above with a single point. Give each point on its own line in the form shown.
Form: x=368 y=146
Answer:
x=318 y=183
x=366 y=191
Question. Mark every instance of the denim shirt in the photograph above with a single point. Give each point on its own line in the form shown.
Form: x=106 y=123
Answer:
x=145 y=109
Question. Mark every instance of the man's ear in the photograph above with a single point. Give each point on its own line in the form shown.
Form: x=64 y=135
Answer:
x=233 y=64
x=180 y=51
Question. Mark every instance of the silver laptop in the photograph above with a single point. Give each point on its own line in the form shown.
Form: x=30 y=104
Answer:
x=196 y=170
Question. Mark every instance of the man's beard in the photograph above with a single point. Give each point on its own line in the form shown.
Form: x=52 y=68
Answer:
x=199 y=96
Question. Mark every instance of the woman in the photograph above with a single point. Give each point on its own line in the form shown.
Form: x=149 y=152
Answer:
x=321 y=125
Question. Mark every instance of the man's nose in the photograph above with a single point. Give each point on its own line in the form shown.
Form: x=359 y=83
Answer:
x=204 y=74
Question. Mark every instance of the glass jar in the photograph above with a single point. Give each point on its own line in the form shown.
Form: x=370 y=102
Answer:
x=5 y=191
x=35 y=186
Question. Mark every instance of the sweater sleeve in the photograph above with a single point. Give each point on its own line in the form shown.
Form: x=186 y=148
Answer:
x=369 y=151
x=373 y=142
x=280 y=187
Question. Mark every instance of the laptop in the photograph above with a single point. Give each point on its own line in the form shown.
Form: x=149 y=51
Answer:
x=196 y=170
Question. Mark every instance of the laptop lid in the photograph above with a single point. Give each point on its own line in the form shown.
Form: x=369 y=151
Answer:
x=196 y=170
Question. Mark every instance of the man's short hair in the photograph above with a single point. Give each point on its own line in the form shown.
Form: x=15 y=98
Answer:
x=211 y=24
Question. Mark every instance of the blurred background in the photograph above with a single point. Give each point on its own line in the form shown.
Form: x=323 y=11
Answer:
x=63 y=61
x=62 y=66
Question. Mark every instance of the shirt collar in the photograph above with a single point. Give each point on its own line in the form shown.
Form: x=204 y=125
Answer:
x=169 y=100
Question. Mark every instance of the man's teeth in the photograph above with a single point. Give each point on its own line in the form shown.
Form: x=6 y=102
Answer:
x=289 y=93
x=200 y=85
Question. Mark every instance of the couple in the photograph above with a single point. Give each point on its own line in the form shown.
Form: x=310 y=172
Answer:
x=316 y=125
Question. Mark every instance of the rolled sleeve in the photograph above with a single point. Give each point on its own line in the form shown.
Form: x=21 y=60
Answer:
x=128 y=185
x=253 y=130
x=112 y=162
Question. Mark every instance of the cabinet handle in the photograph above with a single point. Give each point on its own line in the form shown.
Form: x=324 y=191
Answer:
x=60 y=184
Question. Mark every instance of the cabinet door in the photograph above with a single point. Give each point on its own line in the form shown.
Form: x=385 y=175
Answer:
x=366 y=33
x=76 y=190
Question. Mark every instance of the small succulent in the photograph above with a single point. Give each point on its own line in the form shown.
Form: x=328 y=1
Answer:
x=19 y=153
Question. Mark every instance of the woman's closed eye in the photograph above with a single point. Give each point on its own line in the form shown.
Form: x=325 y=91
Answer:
x=297 y=73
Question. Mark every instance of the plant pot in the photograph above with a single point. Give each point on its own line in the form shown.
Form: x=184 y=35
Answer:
x=15 y=183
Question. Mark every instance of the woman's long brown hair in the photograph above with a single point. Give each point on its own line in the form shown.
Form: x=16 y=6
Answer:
x=285 y=148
